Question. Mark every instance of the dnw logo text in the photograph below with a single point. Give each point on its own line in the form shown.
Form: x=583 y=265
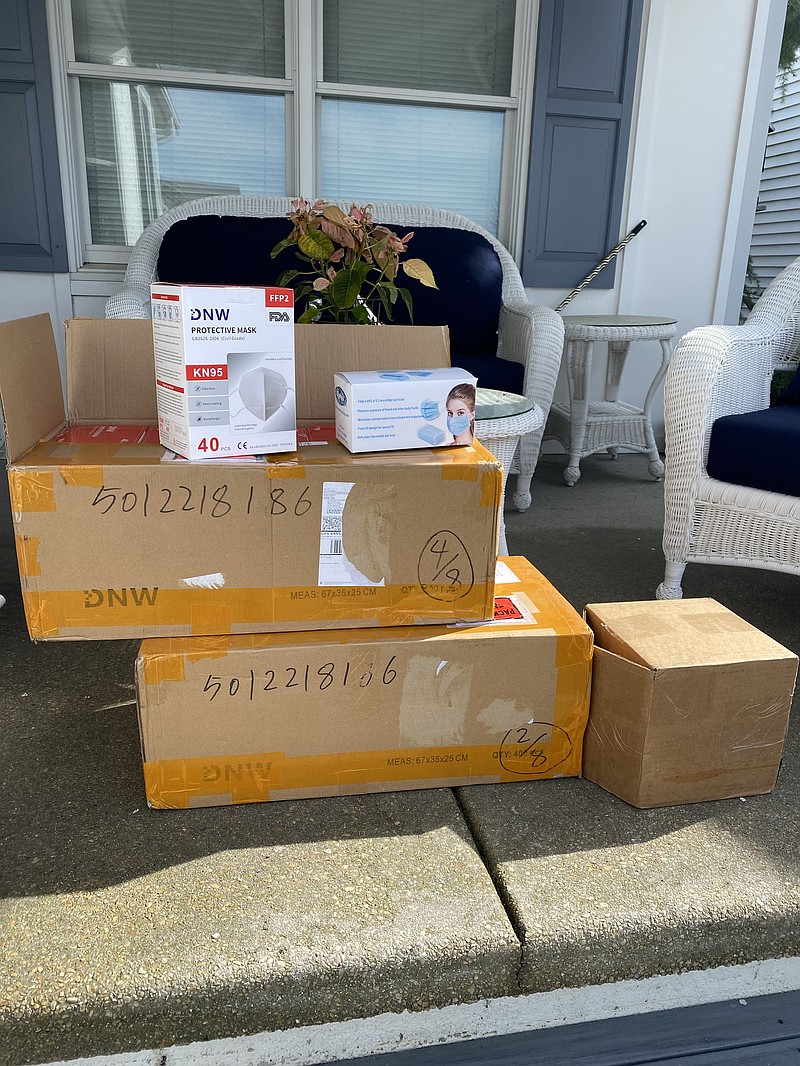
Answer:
x=143 y=597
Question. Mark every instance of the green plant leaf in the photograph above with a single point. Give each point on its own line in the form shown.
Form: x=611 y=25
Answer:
x=388 y=295
x=417 y=268
x=386 y=304
x=309 y=315
x=316 y=245
x=286 y=277
x=287 y=242
x=406 y=295
x=347 y=284
x=391 y=290
x=360 y=313
x=303 y=289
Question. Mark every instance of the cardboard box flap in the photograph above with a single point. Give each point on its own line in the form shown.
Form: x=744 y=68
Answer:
x=30 y=383
x=664 y=634
x=110 y=370
x=322 y=350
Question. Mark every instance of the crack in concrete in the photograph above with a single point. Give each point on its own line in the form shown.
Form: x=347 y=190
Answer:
x=499 y=887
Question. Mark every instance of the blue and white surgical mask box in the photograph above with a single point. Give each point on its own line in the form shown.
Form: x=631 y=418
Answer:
x=395 y=410
x=225 y=369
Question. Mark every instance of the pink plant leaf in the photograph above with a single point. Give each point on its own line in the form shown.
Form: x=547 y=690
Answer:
x=321 y=283
x=335 y=214
x=337 y=232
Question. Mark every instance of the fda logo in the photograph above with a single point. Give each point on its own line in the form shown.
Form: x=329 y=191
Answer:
x=341 y=396
x=278 y=316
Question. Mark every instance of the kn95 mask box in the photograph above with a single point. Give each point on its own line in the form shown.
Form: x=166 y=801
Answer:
x=225 y=378
x=390 y=410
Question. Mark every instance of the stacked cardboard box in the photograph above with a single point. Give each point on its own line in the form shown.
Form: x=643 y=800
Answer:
x=289 y=715
x=117 y=537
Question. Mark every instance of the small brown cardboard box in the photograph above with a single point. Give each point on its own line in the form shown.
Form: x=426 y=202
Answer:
x=287 y=716
x=689 y=703
x=116 y=537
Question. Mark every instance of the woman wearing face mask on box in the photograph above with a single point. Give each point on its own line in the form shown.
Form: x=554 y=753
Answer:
x=461 y=413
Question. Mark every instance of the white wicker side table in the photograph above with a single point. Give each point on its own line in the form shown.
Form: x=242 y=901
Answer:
x=584 y=426
x=501 y=418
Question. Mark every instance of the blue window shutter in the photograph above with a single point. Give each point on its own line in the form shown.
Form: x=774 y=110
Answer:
x=32 y=234
x=583 y=98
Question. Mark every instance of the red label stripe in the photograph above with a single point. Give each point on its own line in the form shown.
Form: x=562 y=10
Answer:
x=279 y=297
x=166 y=385
x=207 y=372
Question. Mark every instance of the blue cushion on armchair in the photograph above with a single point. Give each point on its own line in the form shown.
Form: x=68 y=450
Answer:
x=493 y=373
x=235 y=250
x=758 y=449
x=227 y=250
x=791 y=394
x=469 y=277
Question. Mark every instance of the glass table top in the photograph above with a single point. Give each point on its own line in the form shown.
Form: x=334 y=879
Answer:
x=618 y=320
x=494 y=403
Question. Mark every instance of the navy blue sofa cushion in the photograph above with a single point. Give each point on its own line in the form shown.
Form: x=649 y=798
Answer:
x=791 y=394
x=491 y=372
x=759 y=449
x=232 y=250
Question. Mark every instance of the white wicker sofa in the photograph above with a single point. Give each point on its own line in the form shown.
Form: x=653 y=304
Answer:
x=718 y=371
x=531 y=337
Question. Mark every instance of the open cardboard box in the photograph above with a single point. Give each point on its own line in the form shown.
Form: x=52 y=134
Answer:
x=116 y=537
x=291 y=715
x=689 y=702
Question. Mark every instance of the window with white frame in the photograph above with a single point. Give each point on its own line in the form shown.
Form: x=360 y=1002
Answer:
x=421 y=101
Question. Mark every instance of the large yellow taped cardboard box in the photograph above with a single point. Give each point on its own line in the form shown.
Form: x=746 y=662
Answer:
x=689 y=703
x=117 y=537
x=285 y=716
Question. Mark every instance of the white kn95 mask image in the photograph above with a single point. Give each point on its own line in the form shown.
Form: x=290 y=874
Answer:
x=262 y=393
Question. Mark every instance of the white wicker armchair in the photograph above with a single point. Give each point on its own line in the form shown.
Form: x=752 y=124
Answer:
x=716 y=371
x=528 y=335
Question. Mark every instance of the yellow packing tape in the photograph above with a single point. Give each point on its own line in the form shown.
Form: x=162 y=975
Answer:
x=31 y=491
x=182 y=783
x=215 y=611
x=92 y=477
x=28 y=556
x=158 y=668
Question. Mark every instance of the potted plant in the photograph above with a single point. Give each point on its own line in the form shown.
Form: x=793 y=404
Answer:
x=350 y=264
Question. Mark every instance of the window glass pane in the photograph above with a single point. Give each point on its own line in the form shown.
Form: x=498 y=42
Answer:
x=149 y=148
x=461 y=46
x=245 y=37
x=444 y=157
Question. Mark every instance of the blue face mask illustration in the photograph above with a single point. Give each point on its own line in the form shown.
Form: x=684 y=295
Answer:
x=457 y=424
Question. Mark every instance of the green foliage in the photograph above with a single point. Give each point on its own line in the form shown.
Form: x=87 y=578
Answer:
x=752 y=287
x=791 y=38
x=351 y=264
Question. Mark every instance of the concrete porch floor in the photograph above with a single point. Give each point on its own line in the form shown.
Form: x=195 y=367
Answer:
x=127 y=929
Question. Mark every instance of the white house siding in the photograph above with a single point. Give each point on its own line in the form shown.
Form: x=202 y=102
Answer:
x=776 y=229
